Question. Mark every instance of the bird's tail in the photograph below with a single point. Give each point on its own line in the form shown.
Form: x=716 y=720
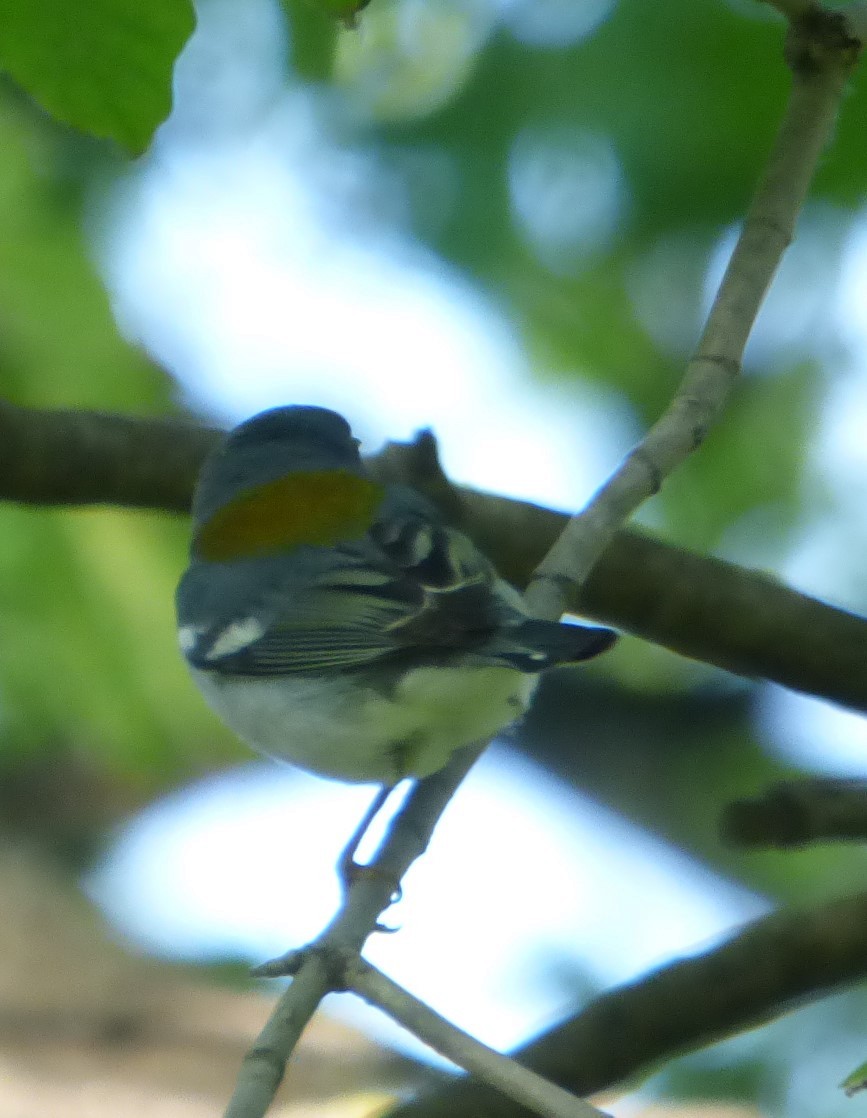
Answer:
x=536 y=645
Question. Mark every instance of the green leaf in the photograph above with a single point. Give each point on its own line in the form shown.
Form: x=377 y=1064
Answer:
x=86 y=595
x=104 y=66
x=313 y=37
x=855 y=1082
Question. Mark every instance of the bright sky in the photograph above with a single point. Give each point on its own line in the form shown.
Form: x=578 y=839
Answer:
x=525 y=882
x=239 y=281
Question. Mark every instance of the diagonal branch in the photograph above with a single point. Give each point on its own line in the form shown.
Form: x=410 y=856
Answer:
x=699 y=606
x=795 y=812
x=314 y=969
x=509 y=1077
x=768 y=968
x=822 y=54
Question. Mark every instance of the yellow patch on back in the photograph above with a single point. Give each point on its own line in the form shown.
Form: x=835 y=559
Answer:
x=318 y=508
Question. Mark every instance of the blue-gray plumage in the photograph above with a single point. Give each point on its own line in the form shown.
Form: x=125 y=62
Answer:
x=341 y=624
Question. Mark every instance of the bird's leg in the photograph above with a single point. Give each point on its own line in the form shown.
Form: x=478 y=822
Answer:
x=348 y=869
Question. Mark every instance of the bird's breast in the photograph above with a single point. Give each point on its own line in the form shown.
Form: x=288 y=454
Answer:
x=342 y=727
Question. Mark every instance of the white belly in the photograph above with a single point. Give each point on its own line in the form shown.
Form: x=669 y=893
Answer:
x=362 y=735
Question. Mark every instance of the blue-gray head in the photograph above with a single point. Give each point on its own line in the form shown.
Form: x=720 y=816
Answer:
x=271 y=445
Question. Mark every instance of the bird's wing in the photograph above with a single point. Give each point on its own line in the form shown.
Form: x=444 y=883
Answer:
x=411 y=586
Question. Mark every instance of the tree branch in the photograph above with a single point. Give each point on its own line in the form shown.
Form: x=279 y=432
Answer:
x=796 y=812
x=705 y=608
x=86 y=458
x=698 y=606
x=821 y=53
x=505 y=1075
x=768 y=968
x=314 y=970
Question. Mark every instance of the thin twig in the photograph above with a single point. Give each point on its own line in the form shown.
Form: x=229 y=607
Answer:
x=504 y=1074
x=769 y=967
x=821 y=68
x=797 y=812
x=313 y=968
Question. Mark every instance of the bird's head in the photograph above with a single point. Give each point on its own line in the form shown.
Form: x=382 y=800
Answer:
x=287 y=477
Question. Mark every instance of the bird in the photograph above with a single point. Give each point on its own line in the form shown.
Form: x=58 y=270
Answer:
x=339 y=623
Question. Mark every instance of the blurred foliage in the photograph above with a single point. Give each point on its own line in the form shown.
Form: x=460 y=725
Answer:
x=856 y=1081
x=759 y=458
x=105 y=67
x=89 y=661
x=503 y=131
x=689 y=131
x=313 y=40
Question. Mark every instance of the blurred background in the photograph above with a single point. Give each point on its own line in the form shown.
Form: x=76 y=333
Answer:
x=503 y=219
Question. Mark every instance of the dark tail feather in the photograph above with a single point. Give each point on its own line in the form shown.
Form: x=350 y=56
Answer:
x=550 y=642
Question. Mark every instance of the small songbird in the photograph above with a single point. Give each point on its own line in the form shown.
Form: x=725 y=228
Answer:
x=339 y=623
